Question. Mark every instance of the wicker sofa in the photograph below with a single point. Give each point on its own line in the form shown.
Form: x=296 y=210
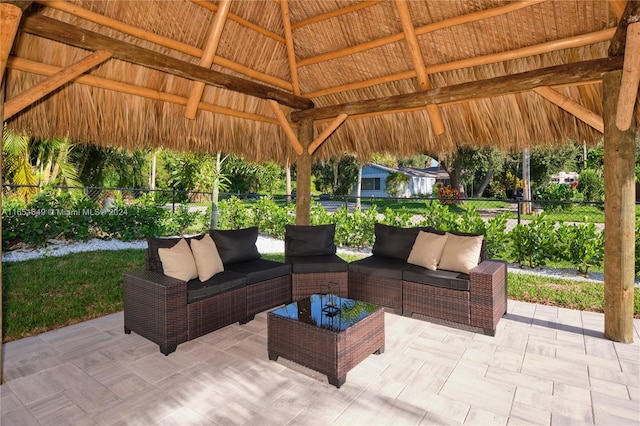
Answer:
x=311 y=252
x=477 y=298
x=169 y=311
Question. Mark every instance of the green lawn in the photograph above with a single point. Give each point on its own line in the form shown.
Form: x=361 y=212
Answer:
x=52 y=292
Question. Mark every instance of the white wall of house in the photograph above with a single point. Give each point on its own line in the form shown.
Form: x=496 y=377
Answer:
x=373 y=177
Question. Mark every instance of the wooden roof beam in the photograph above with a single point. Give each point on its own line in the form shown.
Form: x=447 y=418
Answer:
x=446 y=23
x=335 y=13
x=591 y=118
x=630 y=15
x=286 y=126
x=42 y=89
x=10 y=15
x=212 y=7
x=78 y=11
x=209 y=52
x=337 y=122
x=288 y=37
x=130 y=89
x=565 y=43
x=498 y=86
x=418 y=63
x=59 y=31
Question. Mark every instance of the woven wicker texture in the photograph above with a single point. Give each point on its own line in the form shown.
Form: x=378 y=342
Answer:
x=329 y=352
x=304 y=285
x=374 y=289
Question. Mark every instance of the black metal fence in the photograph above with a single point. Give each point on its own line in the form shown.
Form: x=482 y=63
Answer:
x=517 y=210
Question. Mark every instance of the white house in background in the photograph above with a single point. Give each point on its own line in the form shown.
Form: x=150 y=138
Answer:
x=421 y=181
x=565 y=178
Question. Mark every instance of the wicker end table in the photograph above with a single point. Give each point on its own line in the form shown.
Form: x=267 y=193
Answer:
x=327 y=333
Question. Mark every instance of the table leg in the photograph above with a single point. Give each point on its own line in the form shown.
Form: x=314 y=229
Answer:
x=273 y=356
x=380 y=350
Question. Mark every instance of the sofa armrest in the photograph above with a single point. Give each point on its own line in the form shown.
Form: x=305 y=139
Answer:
x=155 y=306
x=488 y=294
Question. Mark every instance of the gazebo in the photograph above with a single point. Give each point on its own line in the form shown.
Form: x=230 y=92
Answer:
x=294 y=80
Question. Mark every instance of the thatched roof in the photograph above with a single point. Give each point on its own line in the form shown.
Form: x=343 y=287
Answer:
x=339 y=58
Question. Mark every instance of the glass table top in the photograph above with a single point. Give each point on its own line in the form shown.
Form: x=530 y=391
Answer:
x=327 y=311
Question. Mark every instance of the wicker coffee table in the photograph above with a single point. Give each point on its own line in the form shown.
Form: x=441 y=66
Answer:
x=327 y=333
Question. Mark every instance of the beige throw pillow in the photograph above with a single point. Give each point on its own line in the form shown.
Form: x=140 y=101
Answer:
x=427 y=250
x=461 y=253
x=178 y=262
x=207 y=257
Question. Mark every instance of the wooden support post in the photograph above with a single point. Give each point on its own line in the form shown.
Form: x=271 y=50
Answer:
x=9 y=21
x=619 y=217
x=303 y=181
x=1 y=179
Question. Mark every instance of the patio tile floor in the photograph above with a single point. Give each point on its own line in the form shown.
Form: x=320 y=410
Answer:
x=546 y=366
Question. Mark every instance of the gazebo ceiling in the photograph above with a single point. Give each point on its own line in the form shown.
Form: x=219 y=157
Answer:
x=330 y=55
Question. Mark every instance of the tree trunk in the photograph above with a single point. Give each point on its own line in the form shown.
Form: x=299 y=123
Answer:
x=484 y=184
x=215 y=193
x=288 y=180
x=359 y=189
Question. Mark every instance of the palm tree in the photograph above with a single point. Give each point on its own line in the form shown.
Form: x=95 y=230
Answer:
x=30 y=163
x=17 y=168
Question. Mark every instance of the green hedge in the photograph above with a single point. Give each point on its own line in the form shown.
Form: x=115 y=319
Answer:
x=52 y=215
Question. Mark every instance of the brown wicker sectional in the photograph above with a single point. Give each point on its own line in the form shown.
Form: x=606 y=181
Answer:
x=170 y=311
x=477 y=299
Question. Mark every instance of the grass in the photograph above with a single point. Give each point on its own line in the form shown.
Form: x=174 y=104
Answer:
x=52 y=292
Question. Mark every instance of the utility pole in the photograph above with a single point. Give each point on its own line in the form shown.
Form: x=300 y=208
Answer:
x=526 y=177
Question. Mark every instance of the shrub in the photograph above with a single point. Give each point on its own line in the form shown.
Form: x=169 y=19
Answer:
x=449 y=195
x=591 y=185
x=355 y=229
x=497 y=238
x=535 y=242
x=271 y=218
x=234 y=215
x=402 y=217
x=438 y=215
x=582 y=245
x=395 y=183
x=556 y=197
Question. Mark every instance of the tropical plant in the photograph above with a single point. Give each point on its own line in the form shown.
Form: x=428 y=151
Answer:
x=591 y=184
x=582 y=245
x=396 y=183
x=449 y=195
x=534 y=243
x=17 y=168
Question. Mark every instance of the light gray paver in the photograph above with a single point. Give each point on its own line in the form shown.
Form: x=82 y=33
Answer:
x=546 y=366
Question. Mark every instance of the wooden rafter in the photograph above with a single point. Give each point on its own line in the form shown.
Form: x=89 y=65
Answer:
x=286 y=126
x=591 y=118
x=446 y=23
x=414 y=109
x=69 y=34
x=335 y=13
x=241 y=21
x=42 y=89
x=129 y=89
x=618 y=7
x=163 y=41
x=566 y=43
x=291 y=56
x=418 y=63
x=514 y=83
x=630 y=78
x=209 y=52
x=9 y=21
x=337 y=122
x=630 y=15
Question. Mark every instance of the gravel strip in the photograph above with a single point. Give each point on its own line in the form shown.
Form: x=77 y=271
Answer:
x=265 y=244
